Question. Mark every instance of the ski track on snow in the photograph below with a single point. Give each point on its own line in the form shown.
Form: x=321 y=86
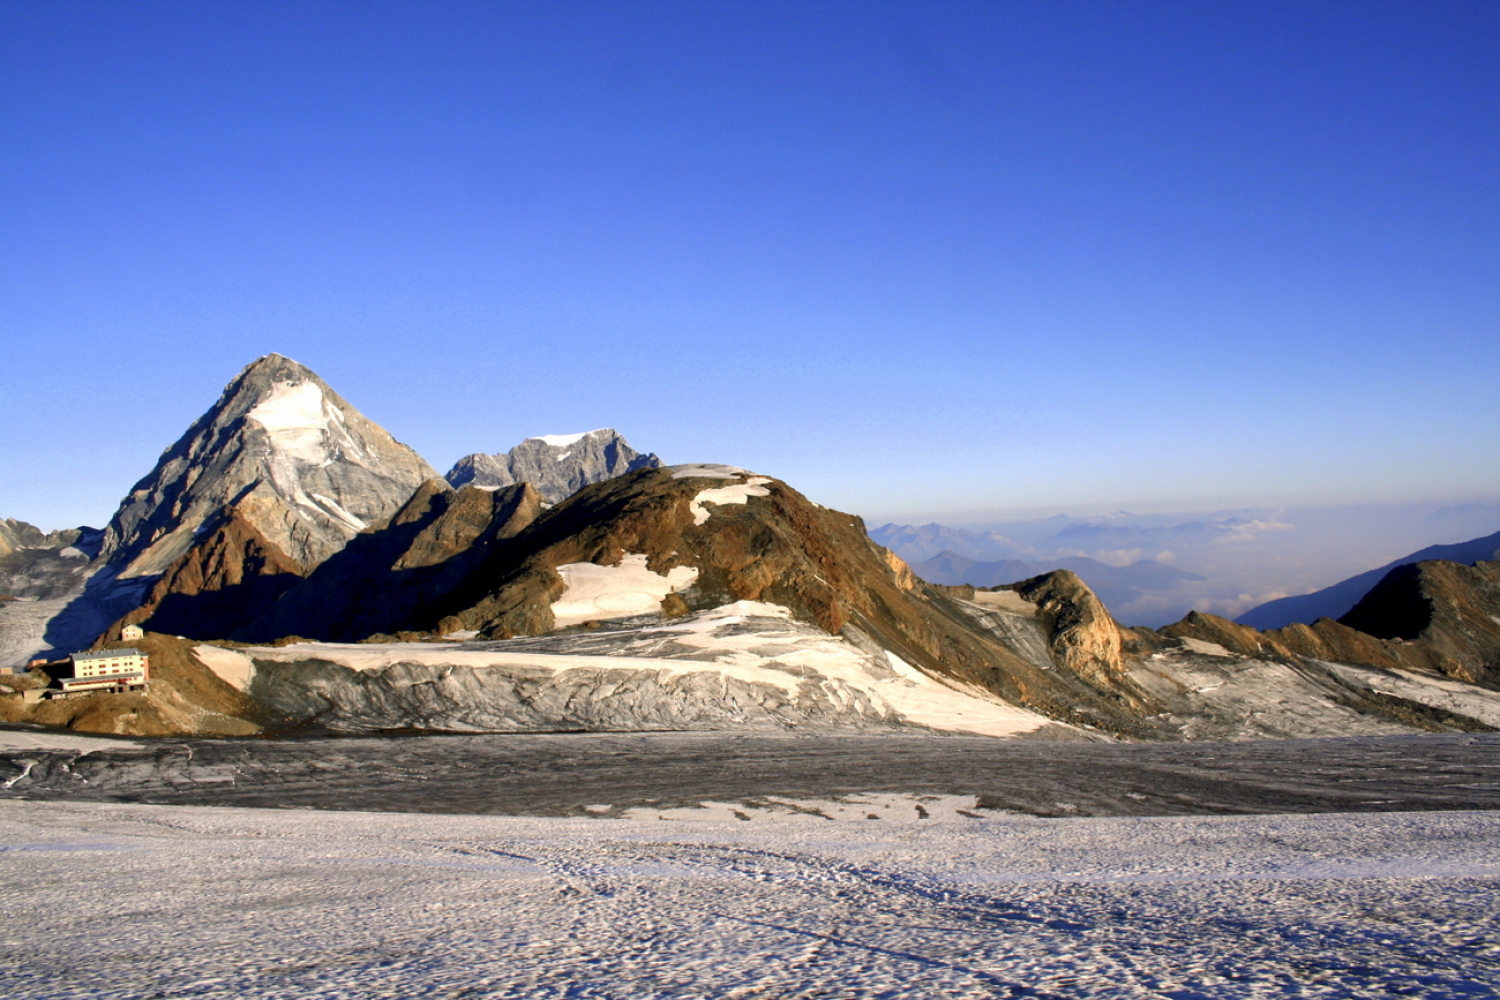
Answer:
x=144 y=901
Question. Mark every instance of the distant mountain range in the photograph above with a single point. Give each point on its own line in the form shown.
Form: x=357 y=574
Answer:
x=557 y=465
x=294 y=565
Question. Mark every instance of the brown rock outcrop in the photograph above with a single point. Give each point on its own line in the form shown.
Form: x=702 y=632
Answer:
x=230 y=575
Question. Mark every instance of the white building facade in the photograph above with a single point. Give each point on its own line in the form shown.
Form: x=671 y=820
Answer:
x=108 y=670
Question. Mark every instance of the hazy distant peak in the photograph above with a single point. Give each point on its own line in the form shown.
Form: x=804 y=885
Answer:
x=558 y=465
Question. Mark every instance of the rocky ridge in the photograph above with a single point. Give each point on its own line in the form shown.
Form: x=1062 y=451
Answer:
x=556 y=465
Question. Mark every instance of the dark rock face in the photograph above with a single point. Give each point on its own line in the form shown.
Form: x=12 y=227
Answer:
x=1439 y=616
x=557 y=465
x=399 y=577
x=1395 y=608
x=297 y=462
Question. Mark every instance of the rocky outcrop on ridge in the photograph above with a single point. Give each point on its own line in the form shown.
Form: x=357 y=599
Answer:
x=558 y=465
x=299 y=464
x=1434 y=617
x=1438 y=616
x=706 y=536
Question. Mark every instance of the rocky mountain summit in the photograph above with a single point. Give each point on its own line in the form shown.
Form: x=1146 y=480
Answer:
x=281 y=451
x=556 y=465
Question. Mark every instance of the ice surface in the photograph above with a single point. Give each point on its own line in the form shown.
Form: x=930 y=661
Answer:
x=61 y=739
x=793 y=899
x=23 y=628
x=1425 y=689
x=746 y=641
x=916 y=697
x=738 y=493
x=601 y=592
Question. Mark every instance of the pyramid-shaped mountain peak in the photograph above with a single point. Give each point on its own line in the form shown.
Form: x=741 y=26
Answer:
x=298 y=461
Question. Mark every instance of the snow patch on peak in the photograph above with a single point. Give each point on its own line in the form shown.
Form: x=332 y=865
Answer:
x=295 y=418
x=1204 y=648
x=739 y=493
x=291 y=406
x=564 y=440
x=332 y=506
x=596 y=592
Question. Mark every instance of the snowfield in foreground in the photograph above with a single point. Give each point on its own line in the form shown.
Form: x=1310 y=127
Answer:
x=796 y=899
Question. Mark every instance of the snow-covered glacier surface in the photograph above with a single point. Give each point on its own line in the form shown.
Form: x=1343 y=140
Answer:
x=788 y=899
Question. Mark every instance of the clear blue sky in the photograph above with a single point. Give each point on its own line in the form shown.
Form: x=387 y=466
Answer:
x=916 y=259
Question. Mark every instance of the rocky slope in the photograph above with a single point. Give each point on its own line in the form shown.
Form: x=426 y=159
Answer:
x=38 y=565
x=296 y=462
x=556 y=465
x=231 y=574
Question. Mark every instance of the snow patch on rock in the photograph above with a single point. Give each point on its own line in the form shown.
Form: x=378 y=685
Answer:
x=295 y=419
x=564 y=440
x=600 y=592
x=1004 y=600
x=707 y=472
x=332 y=507
x=739 y=493
x=232 y=667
